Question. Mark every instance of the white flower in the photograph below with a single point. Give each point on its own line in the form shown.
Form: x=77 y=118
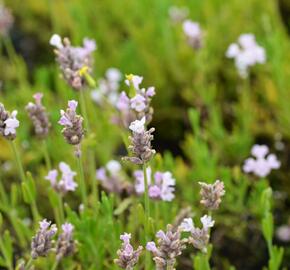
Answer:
x=113 y=74
x=138 y=126
x=246 y=53
x=233 y=51
x=207 y=222
x=55 y=41
x=11 y=124
x=191 y=29
x=113 y=167
x=187 y=225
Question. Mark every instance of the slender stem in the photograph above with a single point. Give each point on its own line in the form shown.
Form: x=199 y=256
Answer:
x=82 y=182
x=147 y=215
x=84 y=110
x=29 y=264
x=18 y=161
x=46 y=155
x=54 y=267
x=91 y=153
x=61 y=211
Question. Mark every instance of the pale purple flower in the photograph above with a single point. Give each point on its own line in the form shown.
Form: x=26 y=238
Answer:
x=162 y=187
x=65 y=245
x=66 y=182
x=187 y=225
x=138 y=126
x=207 y=222
x=178 y=14
x=262 y=164
x=11 y=124
x=151 y=246
x=246 y=53
x=67 y=228
x=41 y=243
x=112 y=178
x=138 y=103
x=135 y=80
x=283 y=233
x=193 y=33
x=127 y=256
x=72 y=123
x=108 y=88
x=123 y=102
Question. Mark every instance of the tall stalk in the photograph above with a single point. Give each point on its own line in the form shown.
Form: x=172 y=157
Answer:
x=91 y=153
x=82 y=182
x=147 y=215
x=18 y=160
x=46 y=155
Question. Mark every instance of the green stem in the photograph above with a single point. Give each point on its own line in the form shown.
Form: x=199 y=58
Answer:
x=61 y=211
x=91 y=153
x=147 y=215
x=55 y=265
x=84 y=110
x=46 y=155
x=18 y=161
x=82 y=182
x=29 y=264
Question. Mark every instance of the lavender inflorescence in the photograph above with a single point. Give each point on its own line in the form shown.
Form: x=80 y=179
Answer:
x=39 y=117
x=42 y=242
x=8 y=123
x=65 y=245
x=66 y=183
x=140 y=147
x=72 y=59
x=135 y=106
x=127 y=256
x=73 y=124
x=170 y=246
x=211 y=194
x=112 y=179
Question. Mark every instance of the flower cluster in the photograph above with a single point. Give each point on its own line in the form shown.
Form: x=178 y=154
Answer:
x=140 y=142
x=193 y=34
x=72 y=59
x=65 y=245
x=211 y=194
x=6 y=20
x=136 y=107
x=162 y=188
x=112 y=179
x=199 y=238
x=8 y=123
x=42 y=242
x=108 y=87
x=38 y=115
x=73 y=124
x=178 y=14
x=66 y=182
x=127 y=256
x=246 y=53
x=263 y=163
x=170 y=246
